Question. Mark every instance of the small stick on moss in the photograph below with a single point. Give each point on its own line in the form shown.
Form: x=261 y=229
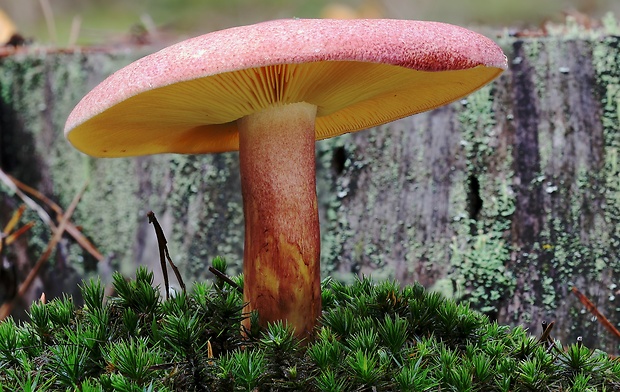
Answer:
x=164 y=254
x=592 y=309
x=546 y=334
x=225 y=278
x=546 y=338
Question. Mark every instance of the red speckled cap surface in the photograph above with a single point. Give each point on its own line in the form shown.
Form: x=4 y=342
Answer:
x=360 y=73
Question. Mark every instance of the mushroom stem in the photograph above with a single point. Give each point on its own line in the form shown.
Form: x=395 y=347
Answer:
x=281 y=264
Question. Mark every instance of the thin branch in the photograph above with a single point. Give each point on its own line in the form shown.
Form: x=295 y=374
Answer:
x=545 y=337
x=7 y=307
x=14 y=219
x=28 y=201
x=164 y=254
x=225 y=278
x=6 y=235
x=28 y=189
x=71 y=228
x=15 y=235
x=592 y=309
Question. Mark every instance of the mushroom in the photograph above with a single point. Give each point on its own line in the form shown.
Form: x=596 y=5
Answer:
x=270 y=90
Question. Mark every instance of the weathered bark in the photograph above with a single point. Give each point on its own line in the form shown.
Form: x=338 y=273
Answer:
x=506 y=199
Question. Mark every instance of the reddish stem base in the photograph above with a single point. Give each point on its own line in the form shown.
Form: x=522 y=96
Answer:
x=282 y=241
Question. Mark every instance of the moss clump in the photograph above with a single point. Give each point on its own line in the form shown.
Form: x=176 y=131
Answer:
x=372 y=337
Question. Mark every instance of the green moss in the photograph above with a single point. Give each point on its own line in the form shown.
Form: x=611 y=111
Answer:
x=371 y=336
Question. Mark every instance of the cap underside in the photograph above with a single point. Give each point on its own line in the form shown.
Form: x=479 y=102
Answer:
x=199 y=116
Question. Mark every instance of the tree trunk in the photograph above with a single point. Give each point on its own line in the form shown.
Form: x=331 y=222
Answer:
x=506 y=199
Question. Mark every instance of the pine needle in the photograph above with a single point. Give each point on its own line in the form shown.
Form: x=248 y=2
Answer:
x=7 y=307
x=593 y=309
x=19 y=188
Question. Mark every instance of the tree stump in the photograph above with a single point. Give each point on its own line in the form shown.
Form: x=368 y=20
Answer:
x=506 y=199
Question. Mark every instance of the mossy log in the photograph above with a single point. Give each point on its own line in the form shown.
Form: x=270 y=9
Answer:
x=507 y=199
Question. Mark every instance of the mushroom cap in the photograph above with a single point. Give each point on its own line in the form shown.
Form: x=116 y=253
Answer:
x=361 y=73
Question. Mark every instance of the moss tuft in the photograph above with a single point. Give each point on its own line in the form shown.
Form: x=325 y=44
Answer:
x=372 y=337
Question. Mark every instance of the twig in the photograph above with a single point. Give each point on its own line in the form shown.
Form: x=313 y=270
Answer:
x=28 y=201
x=164 y=254
x=7 y=236
x=7 y=307
x=10 y=238
x=71 y=228
x=225 y=278
x=28 y=189
x=14 y=219
x=545 y=337
x=592 y=309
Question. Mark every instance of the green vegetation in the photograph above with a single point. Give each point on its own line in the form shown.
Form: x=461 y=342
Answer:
x=372 y=337
x=113 y=20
